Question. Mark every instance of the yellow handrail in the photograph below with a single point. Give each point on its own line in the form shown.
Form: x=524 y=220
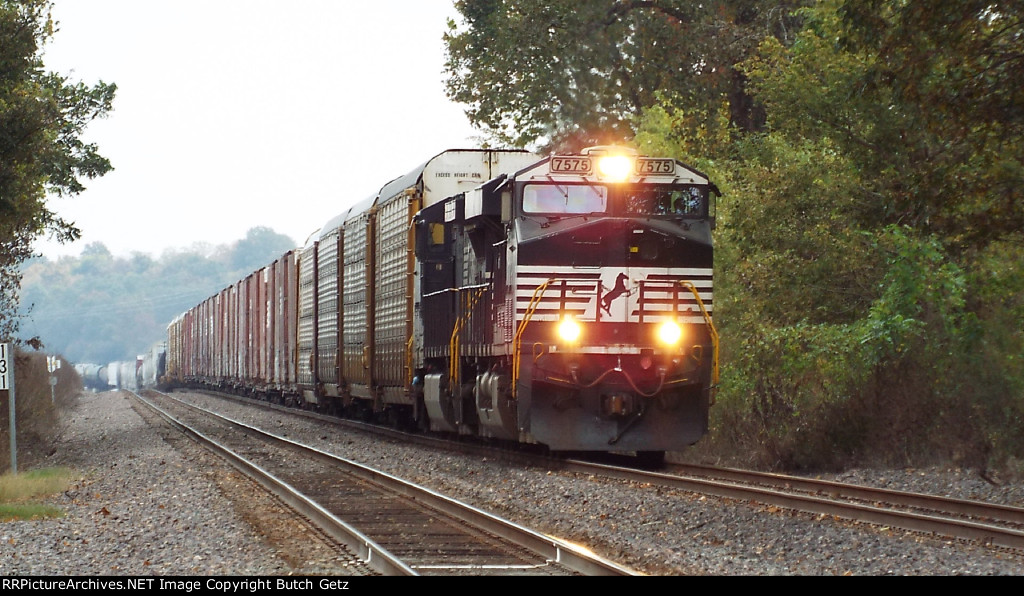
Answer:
x=453 y=344
x=714 y=336
x=530 y=309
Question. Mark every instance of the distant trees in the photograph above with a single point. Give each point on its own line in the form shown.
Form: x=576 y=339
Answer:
x=42 y=117
x=97 y=306
x=100 y=308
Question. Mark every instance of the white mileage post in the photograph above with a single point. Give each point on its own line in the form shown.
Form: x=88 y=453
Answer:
x=4 y=368
x=7 y=384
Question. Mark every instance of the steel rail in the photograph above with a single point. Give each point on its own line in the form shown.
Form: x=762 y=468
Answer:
x=938 y=503
x=371 y=553
x=571 y=556
x=733 y=486
x=941 y=526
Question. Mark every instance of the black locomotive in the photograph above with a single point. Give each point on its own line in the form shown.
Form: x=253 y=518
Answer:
x=564 y=301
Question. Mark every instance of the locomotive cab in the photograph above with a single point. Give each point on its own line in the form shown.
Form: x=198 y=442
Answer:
x=570 y=304
x=613 y=287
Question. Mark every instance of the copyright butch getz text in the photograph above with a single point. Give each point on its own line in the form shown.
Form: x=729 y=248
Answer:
x=227 y=586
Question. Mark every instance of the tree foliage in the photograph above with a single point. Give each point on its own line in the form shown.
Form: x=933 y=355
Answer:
x=880 y=207
x=570 y=74
x=42 y=118
x=924 y=96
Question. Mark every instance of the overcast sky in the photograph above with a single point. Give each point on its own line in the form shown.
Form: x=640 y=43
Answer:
x=232 y=114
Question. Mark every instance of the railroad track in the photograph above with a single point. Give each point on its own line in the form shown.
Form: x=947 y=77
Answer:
x=983 y=523
x=395 y=527
x=988 y=524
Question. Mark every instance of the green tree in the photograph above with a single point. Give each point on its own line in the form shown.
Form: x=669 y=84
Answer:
x=42 y=117
x=923 y=95
x=866 y=304
x=260 y=247
x=571 y=74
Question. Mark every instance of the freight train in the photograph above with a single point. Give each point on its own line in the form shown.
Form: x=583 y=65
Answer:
x=564 y=301
x=146 y=370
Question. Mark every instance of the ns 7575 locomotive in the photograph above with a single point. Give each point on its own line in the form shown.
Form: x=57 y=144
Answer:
x=564 y=301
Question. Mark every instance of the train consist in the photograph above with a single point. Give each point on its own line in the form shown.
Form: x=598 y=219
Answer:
x=145 y=371
x=562 y=300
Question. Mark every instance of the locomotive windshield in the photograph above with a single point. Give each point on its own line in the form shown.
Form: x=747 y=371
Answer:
x=564 y=198
x=686 y=201
x=646 y=199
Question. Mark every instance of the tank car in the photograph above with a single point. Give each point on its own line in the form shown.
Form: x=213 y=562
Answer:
x=94 y=376
x=563 y=301
x=150 y=366
x=114 y=375
x=124 y=375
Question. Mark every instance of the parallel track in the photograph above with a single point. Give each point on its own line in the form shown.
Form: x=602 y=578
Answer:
x=989 y=524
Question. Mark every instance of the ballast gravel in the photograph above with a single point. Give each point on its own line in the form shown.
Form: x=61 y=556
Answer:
x=147 y=503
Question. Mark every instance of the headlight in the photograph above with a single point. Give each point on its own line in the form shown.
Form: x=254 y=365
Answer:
x=669 y=333
x=569 y=329
x=615 y=167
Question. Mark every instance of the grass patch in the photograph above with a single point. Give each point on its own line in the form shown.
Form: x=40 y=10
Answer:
x=18 y=490
x=28 y=511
